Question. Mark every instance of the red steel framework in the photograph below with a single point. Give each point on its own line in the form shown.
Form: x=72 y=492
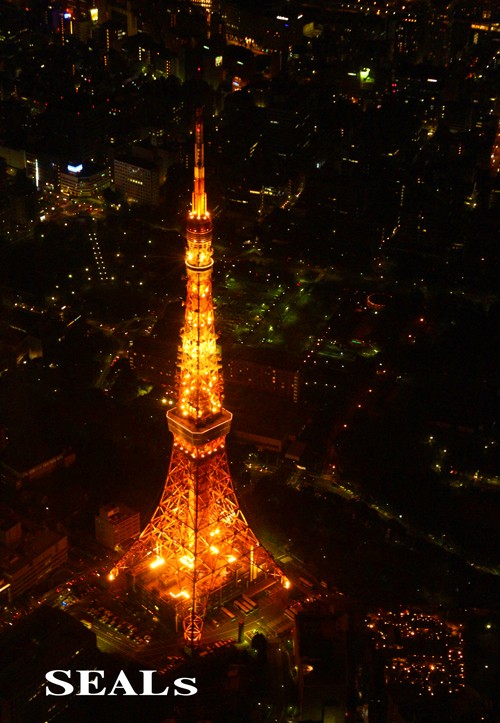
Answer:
x=198 y=537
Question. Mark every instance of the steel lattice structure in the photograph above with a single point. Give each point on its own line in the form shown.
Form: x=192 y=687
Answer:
x=198 y=536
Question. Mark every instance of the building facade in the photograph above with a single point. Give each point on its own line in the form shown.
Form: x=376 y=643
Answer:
x=115 y=524
x=84 y=182
x=28 y=558
x=138 y=180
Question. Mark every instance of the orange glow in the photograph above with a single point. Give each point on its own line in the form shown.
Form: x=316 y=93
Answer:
x=199 y=203
x=156 y=563
x=200 y=387
x=198 y=526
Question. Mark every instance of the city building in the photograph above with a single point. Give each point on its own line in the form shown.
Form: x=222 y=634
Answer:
x=15 y=158
x=290 y=121
x=115 y=524
x=263 y=29
x=83 y=180
x=121 y=12
x=154 y=360
x=321 y=659
x=205 y=4
x=27 y=557
x=16 y=346
x=267 y=369
x=16 y=470
x=137 y=179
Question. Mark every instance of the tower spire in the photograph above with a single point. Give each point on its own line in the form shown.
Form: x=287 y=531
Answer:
x=199 y=202
x=200 y=388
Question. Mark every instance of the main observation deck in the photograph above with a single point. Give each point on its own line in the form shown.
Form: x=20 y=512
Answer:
x=199 y=436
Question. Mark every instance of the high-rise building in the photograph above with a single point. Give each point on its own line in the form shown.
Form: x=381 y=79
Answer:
x=115 y=524
x=137 y=179
x=198 y=542
x=205 y=4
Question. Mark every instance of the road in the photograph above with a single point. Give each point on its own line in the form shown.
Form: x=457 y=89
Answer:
x=329 y=484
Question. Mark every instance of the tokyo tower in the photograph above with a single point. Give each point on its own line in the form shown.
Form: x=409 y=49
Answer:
x=198 y=540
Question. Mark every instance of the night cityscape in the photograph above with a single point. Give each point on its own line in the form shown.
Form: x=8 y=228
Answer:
x=275 y=221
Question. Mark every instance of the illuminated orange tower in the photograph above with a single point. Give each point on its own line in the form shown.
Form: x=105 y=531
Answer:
x=198 y=538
